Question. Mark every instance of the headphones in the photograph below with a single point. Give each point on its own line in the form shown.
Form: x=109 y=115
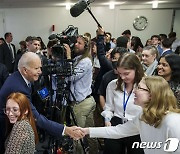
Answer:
x=86 y=41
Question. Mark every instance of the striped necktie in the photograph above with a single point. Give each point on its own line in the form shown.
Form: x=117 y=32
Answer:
x=12 y=54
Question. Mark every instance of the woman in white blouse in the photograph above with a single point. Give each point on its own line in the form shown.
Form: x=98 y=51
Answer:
x=158 y=124
x=119 y=106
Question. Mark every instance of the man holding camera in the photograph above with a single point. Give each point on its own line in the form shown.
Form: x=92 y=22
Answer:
x=83 y=103
x=29 y=70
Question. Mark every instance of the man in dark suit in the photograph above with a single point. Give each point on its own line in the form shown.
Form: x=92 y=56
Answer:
x=3 y=74
x=29 y=67
x=166 y=46
x=8 y=52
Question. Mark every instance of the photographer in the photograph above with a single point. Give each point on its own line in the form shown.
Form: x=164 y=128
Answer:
x=84 y=104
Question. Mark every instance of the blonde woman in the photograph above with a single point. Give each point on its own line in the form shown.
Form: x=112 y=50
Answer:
x=158 y=121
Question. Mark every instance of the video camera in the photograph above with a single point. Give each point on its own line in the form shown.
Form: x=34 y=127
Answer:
x=63 y=68
x=68 y=36
x=59 y=64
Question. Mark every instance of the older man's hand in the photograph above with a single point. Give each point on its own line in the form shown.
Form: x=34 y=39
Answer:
x=75 y=132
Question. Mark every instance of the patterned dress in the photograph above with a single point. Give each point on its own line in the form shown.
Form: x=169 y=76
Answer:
x=175 y=86
x=21 y=139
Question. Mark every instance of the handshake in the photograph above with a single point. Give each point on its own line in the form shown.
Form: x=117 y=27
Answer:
x=76 y=132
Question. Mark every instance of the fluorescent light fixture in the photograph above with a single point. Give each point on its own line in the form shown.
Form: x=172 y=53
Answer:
x=155 y=4
x=111 y=5
x=68 y=6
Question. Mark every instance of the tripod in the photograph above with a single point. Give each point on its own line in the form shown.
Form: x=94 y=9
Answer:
x=63 y=94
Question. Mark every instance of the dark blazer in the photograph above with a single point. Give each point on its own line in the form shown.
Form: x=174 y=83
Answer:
x=6 y=56
x=167 y=52
x=105 y=64
x=16 y=83
x=3 y=74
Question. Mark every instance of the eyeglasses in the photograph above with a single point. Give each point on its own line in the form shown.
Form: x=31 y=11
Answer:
x=13 y=110
x=140 y=88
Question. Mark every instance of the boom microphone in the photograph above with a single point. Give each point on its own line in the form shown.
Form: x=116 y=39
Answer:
x=79 y=8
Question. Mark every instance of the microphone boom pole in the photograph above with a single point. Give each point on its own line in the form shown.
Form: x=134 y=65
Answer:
x=80 y=7
x=94 y=17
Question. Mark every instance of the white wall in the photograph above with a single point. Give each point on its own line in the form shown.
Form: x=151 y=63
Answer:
x=1 y=24
x=23 y=22
x=177 y=23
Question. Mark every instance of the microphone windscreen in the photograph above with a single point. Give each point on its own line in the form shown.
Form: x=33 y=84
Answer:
x=78 y=8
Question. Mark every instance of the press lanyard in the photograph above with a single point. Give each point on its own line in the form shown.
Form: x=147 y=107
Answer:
x=125 y=101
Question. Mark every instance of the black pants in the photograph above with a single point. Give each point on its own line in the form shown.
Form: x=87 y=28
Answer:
x=2 y=135
x=123 y=145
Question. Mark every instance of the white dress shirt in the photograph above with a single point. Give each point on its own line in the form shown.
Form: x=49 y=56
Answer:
x=114 y=103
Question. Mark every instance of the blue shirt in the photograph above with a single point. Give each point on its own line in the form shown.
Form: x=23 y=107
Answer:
x=82 y=79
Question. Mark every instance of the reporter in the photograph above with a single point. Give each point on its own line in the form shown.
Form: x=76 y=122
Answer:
x=158 y=121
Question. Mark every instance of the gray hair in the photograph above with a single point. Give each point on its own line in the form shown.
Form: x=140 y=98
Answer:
x=153 y=50
x=27 y=59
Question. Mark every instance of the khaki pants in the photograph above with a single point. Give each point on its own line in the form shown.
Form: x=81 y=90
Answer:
x=84 y=115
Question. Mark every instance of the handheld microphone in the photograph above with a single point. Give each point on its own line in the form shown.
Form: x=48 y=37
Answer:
x=79 y=8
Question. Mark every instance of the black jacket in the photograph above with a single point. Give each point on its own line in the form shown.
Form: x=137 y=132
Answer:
x=6 y=56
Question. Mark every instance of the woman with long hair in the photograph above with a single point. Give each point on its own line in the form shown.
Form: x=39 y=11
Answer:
x=169 y=68
x=158 y=122
x=119 y=107
x=21 y=130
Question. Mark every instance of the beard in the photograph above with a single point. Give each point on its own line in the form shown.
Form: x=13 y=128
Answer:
x=78 y=51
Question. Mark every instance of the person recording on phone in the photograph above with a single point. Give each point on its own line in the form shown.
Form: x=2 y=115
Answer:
x=83 y=104
x=29 y=70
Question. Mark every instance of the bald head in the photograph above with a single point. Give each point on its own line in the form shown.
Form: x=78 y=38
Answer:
x=30 y=66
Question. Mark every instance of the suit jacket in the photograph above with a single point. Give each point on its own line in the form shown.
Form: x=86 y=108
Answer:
x=3 y=74
x=167 y=52
x=6 y=56
x=160 y=50
x=16 y=83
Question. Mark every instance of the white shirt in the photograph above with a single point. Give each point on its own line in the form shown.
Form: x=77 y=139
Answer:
x=169 y=128
x=114 y=103
x=96 y=63
x=11 y=49
x=175 y=44
x=27 y=82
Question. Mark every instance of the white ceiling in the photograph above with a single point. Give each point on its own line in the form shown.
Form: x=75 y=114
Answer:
x=54 y=3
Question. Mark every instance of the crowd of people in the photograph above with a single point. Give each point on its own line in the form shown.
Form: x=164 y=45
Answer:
x=129 y=89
